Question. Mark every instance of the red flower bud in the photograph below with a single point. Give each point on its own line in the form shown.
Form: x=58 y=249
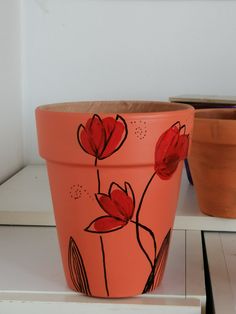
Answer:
x=118 y=204
x=102 y=137
x=171 y=148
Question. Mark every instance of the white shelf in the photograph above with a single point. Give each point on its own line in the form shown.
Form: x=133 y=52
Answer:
x=221 y=249
x=25 y=200
x=31 y=272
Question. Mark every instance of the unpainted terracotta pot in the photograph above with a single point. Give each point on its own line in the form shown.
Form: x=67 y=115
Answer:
x=114 y=170
x=213 y=161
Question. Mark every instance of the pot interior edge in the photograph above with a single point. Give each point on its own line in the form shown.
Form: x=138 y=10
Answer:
x=216 y=114
x=115 y=107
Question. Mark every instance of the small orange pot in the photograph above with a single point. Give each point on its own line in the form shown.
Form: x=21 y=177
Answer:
x=114 y=170
x=213 y=161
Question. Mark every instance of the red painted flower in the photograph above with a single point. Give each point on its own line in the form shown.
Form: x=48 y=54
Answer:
x=171 y=148
x=102 y=137
x=119 y=206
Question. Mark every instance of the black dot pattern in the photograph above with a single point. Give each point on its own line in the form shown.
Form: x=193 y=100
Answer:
x=77 y=191
x=139 y=128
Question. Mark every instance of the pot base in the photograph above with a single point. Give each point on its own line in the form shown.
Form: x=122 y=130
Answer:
x=220 y=214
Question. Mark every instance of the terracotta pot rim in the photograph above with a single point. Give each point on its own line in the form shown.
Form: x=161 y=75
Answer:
x=225 y=115
x=124 y=107
x=215 y=126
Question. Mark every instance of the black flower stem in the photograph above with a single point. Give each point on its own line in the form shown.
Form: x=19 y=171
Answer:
x=99 y=182
x=98 y=175
x=104 y=265
x=152 y=236
x=138 y=225
x=96 y=161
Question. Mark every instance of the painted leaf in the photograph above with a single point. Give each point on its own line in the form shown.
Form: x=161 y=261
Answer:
x=159 y=265
x=77 y=268
x=105 y=224
x=171 y=148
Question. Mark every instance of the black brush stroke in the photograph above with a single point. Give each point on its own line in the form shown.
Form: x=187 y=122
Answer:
x=150 y=232
x=159 y=264
x=176 y=123
x=77 y=269
x=113 y=183
x=183 y=127
x=160 y=269
x=132 y=192
x=96 y=161
x=104 y=265
x=163 y=257
x=137 y=220
x=99 y=182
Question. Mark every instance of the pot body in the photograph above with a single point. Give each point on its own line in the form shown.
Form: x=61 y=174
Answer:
x=114 y=211
x=212 y=161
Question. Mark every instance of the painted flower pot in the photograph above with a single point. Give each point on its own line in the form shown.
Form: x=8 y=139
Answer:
x=212 y=161
x=114 y=170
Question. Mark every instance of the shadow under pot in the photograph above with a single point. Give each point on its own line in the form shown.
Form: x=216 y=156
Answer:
x=213 y=161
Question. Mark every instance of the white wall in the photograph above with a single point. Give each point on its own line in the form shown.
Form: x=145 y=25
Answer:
x=11 y=148
x=124 y=49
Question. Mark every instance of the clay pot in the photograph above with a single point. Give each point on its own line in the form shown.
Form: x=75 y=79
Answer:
x=114 y=170
x=213 y=161
x=203 y=102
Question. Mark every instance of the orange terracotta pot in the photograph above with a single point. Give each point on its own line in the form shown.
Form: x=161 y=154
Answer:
x=213 y=161
x=114 y=170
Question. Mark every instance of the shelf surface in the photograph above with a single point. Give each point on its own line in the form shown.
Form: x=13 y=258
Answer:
x=31 y=270
x=25 y=200
x=221 y=255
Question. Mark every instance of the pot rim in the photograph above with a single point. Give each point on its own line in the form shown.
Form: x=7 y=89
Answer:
x=216 y=114
x=211 y=129
x=125 y=107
